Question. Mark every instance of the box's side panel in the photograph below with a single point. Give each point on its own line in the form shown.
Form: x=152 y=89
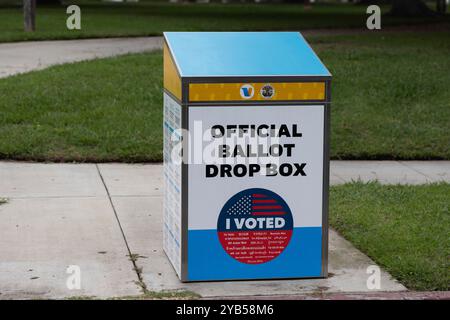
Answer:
x=172 y=182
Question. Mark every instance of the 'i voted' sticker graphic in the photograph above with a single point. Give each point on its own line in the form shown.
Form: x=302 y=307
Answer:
x=255 y=226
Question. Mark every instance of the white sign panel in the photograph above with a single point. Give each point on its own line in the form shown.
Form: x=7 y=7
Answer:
x=255 y=191
x=303 y=193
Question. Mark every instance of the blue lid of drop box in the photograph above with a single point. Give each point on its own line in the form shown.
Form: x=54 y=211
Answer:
x=242 y=54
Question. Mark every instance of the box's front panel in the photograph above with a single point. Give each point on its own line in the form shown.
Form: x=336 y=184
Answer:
x=255 y=192
x=172 y=182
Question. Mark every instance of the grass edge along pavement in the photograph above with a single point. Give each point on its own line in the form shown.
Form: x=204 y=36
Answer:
x=403 y=228
x=65 y=114
x=148 y=295
x=391 y=295
x=152 y=18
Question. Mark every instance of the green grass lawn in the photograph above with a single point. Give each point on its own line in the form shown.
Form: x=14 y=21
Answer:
x=150 y=18
x=103 y=110
x=390 y=95
x=390 y=101
x=404 y=229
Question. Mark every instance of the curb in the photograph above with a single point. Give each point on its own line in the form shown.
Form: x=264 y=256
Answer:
x=396 y=295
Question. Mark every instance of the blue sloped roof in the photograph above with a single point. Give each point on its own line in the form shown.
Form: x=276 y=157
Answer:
x=210 y=54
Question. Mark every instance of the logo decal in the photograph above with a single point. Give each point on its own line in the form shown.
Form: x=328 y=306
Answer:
x=267 y=91
x=247 y=91
x=255 y=226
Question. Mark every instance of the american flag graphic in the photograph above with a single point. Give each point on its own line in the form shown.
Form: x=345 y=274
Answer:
x=256 y=204
x=255 y=226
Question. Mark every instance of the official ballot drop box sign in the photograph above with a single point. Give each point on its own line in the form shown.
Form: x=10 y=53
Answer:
x=249 y=114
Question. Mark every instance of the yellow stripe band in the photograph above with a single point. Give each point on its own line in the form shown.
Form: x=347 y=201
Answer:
x=256 y=91
x=172 y=81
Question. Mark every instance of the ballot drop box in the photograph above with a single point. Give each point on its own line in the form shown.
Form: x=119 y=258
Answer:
x=246 y=156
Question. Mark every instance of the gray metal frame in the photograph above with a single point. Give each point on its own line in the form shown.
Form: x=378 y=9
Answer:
x=185 y=104
x=184 y=186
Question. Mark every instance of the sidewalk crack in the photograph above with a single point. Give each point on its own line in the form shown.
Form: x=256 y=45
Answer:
x=132 y=257
x=414 y=169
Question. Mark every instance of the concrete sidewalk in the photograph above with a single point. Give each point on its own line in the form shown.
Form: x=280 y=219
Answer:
x=20 y=57
x=96 y=216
